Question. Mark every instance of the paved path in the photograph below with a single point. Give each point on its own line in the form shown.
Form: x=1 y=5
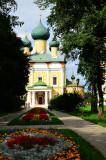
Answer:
x=93 y=133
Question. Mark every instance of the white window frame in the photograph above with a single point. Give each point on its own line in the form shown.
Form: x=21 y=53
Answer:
x=39 y=76
x=57 y=80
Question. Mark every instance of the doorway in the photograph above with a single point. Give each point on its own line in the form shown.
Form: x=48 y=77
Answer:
x=40 y=100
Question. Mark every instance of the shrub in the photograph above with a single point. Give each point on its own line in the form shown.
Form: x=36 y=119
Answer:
x=11 y=103
x=67 y=102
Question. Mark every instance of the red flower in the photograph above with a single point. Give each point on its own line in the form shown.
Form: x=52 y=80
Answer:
x=40 y=111
x=27 y=142
x=44 y=117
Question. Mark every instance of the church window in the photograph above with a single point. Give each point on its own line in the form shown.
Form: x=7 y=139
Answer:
x=54 y=80
x=39 y=79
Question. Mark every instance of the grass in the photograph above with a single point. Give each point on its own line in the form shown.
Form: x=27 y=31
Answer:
x=54 y=121
x=86 y=150
x=92 y=117
x=6 y=113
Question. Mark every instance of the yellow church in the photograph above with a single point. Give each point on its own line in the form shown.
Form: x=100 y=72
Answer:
x=47 y=76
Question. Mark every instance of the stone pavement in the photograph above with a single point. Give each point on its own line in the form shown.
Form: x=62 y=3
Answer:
x=93 y=133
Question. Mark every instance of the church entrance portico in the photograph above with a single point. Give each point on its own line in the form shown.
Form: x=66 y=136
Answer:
x=39 y=97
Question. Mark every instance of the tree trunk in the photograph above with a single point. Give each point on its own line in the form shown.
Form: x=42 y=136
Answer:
x=101 y=108
x=99 y=85
x=94 y=99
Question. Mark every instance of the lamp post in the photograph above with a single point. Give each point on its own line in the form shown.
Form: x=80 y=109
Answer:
x=77 y=80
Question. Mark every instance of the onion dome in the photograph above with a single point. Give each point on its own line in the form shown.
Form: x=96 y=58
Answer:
x=40 y=32
x=54 y=43
x=26 y=42
x=31 y=48
x=73 y=77
x=40 y=83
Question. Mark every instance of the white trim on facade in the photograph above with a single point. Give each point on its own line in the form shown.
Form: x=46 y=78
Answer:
x=46 y=69
x=55 y=65
x=40 y=66
x=32 y=76
x=33 y=98
x=40 y=87
x=40 y=90
x=71 y=88
x=46 y=98
x=29 y=97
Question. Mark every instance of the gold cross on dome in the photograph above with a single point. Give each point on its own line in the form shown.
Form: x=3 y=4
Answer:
x=40 y=14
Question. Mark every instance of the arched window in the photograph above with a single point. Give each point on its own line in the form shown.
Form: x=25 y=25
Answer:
x=40 y=78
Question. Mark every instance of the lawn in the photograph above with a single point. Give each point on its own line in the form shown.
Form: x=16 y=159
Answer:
x=86 y=150
x=54 y=121
x=92 y=117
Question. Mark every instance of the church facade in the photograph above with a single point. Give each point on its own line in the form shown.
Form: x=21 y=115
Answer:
x=47 y=77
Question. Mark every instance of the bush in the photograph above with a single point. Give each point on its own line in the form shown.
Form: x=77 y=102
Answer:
x=67 y=102
x=10 y=103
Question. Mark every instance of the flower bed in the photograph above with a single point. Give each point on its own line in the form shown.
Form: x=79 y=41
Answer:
x=42 y=144
x=36 y=114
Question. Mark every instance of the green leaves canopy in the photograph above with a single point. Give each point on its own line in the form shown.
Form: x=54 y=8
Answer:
x=82 y=25
x=13 y=62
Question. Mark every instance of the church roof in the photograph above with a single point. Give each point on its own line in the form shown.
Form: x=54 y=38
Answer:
x=74 y=85
x=40 y=32
x=39 y=87
x=43 y=58
x=40 y=83
x=31 y=48
x=54 y=43
x=26 y=42
x=73 y=77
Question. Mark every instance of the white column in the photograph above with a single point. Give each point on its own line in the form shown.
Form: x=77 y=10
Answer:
x=33 y=98
x=48 y=77
x=29 y=97
x=50 y=95
x=46 y=103
x=32 y=78
x=62 y=85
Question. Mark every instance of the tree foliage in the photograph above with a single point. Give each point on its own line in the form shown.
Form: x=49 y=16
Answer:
x=81 y=27
x=68 y=102
x=13 y=62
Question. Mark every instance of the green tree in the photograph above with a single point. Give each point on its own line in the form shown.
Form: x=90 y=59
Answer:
x=81 y=24
x=13 y=62
x=68 y=82
x=84 y=69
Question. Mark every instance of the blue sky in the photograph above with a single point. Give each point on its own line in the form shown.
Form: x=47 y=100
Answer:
x=29 y=13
